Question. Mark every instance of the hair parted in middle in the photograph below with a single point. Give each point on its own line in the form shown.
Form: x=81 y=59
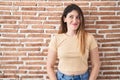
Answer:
x=81 y=33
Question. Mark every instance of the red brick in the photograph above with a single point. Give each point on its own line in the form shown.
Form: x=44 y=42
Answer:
x=86 y=12
x=97 y=27
x=102 y=13
x=39 y=35
x=8 y=40
x=14 y=72
x=91 y=18
x=116 y=26
x=8 y=8
x=89 y=8
x=37 y=72
x=36 y=44
x=36 y=54
x=8 y=30
x=31 y=31
x=30 y=67
x=33 y=9
x=27 y=76
x=5 y=8
x=111 y=45
x=108 y=40
x=113 y=35
x=89 y=22
x=33 y=18
x=53 y=18
x=12 y=62
x=14 y=35
x=82 y=3
x=99 y=36
x=109 y=8
x=4 y=13
x=51 y=31
x=35 y=63
x=10 y=17
x=103 y=3
x=8 y=67
x=15 y=26
x=25 y=3
x=9 y=76
x=5 y=3
x=52 y=22
x=108 y=77
x=118 y=13
x=110 y=18
x=14 y=54
x=112 y=54
x=8 y=58
x=43 y=27
x=12 y=45
x=111 y=59
x=24 y=13
x=45 y=50
x=7 y=22
x=109 y=31
x=32 y=58
x=28 y=49
x=108 y=68
x=31 y=40
x=91 y=31
x=50 y=14
x=111 y=73
x=108 y=49
x=50 y=3
x=7 y=49
x=30 y=22
x=55 y=9
x=118 y=3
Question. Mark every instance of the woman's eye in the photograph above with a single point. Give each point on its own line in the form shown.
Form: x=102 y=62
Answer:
x=71 y=16
x=77 y=17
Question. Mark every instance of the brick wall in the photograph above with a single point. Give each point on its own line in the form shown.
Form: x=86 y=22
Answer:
x=26 y=27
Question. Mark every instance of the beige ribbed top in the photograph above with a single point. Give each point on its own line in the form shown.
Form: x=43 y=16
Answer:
x=70 y=58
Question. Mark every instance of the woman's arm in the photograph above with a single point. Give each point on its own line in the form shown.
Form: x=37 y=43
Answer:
x=95 y=60
x=51 y=59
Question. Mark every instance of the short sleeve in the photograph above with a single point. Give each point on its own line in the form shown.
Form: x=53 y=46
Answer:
x=93 y=42
x=53 y=44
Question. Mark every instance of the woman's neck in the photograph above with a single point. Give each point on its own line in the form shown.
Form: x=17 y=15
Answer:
x=71 y=33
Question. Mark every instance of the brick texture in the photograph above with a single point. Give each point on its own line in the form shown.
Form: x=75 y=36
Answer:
x=27 y=25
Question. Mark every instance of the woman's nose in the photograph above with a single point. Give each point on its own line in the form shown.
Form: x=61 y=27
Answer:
x=74 y=20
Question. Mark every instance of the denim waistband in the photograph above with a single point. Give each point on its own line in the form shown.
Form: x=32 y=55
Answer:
x=63 y=76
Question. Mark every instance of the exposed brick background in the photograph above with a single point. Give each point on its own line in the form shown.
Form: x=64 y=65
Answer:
x=26 y=27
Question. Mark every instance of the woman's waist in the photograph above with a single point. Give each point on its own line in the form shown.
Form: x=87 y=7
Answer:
x=72 y=72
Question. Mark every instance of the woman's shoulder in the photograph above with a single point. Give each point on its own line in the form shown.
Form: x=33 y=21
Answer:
x=90 y=34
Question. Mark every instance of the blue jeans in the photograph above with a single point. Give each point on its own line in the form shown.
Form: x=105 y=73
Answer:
x=61 y=76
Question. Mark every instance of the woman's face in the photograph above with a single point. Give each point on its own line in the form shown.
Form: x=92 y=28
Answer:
x=73 y=20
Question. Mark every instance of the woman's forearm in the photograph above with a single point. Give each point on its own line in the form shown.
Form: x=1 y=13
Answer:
x=94 y=72
x=51 y=74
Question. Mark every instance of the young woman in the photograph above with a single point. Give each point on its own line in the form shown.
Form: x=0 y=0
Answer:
x=73 y=46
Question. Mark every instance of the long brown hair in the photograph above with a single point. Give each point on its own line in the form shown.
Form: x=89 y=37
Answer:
x=81 y=33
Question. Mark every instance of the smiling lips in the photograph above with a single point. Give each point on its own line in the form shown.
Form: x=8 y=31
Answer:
x=75 y=24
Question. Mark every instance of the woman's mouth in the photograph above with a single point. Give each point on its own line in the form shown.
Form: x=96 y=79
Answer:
x=74 y=24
